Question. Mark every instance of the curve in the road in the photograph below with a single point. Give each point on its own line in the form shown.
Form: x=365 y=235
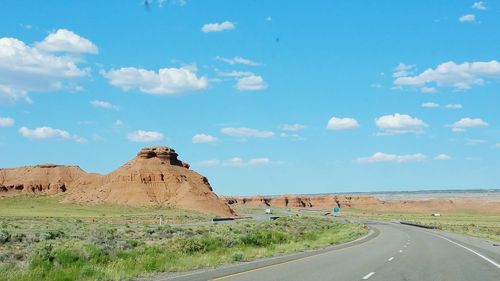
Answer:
x=398 y=252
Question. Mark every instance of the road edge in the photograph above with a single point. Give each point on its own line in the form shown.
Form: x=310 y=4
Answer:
x=235 y=268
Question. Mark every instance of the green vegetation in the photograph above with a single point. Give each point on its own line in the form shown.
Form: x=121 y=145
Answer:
x=49 y=206
x=464 y=222
x=118 y=246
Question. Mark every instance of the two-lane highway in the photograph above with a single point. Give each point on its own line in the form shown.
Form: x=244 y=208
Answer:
x=399 y=252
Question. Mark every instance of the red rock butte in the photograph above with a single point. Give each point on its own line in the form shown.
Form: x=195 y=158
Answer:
x=155 y=177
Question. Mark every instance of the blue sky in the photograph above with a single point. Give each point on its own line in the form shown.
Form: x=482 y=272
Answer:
x=262 y=97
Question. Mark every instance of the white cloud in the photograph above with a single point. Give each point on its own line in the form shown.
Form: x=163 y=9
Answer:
x=103 y=104
x=467 y=123
x=48 y=133
x=269 y=18
x=430 y=105
x=167 y=81
x=6 y=122
x=238 y=60
x=379 y=157
x=454 y=106
x=24 y=69
x=467 y=18
x=209 y=163
x=402 y=70
x=479 y=6
x=217 y=27
x=336 y=123
x=259 y=161
x=399 y=124
x=292 y=127
x=246 y=133
x=145 y=136
x=449 y=74
x=64 y=40
x=235 y=74
x=251 y=83
x=235 y=162
x=202 y=138
x=497 y=145
x=428 y=90
x=239 y=162
x=118 y=124
x=442 y=157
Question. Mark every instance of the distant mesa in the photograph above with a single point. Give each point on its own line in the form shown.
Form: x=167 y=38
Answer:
x=155 y=177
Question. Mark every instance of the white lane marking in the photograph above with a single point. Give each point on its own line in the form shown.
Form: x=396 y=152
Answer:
x=472 y=251
x=391 y=258
x=368 y=275
x=400 y=251
x=462 y=246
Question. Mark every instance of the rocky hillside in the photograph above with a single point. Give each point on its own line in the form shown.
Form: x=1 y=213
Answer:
x=154 y=177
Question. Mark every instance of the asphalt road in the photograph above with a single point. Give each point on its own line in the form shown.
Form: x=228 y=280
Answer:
x=398 y=252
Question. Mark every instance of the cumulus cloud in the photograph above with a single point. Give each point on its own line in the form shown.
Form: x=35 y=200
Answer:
x=467 y=123
x=251 y=83
x=467 y=18
x=167 y=81
x=292 y=127
x=380 y=157
x=238 y=60
x=217 y=27
x=430 y=105
x=103 y=104
x=336 y=123
x=479 y=6
x=25 y=69
x=450 y=74
x=454 y=106
x=442 y=157
x=202 y=138
x=399 y=124
x=6 y=122
x=402 y=70
x=64 y=40
x=497 y=145
x=145 y=136
x=246 y=133
x=48 y=133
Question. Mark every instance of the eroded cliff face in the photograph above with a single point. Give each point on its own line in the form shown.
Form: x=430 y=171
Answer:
x=363 y=202
x=304 y=201
x=154 y=177
x=39 y=179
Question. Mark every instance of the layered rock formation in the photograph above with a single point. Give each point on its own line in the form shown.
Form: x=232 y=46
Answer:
x=305 y=201
x=154 y=177
x=363 y=202
x=39 y=179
